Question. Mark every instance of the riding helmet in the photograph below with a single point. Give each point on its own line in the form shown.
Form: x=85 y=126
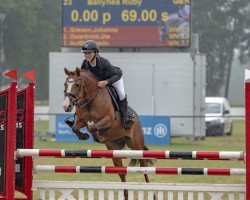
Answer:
x=90 y=45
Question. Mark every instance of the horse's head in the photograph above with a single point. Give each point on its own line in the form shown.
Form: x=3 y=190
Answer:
x=72 y=88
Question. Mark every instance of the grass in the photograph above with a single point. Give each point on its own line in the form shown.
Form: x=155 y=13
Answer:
x=236 y=142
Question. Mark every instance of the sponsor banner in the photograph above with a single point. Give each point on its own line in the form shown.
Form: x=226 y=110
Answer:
x=3 y=140
x=156 y=130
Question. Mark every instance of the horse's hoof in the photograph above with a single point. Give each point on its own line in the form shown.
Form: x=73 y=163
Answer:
x=98 y=138
x=83 y=136
x=101 y=139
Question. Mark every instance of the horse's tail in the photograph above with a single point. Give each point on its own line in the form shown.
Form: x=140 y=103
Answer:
x=150 y=162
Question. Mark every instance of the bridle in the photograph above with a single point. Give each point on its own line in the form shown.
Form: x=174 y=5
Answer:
x=81 y=102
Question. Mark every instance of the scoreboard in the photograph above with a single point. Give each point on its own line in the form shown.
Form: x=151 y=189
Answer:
x=127 y=23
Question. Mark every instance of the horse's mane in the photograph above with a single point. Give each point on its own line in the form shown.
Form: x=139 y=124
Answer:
x=84 y=71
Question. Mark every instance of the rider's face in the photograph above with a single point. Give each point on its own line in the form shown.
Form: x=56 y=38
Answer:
x=89 y=55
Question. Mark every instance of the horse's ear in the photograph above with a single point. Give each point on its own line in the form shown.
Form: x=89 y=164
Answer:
x=66 y=71
x=78 y=71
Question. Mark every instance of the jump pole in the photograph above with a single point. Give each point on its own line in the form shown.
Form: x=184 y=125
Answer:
x=133 y=154
x=142 y=170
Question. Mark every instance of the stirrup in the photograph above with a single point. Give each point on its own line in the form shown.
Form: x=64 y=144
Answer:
x=69 y=123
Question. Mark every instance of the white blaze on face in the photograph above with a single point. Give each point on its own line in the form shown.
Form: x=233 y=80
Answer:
x=67 y=102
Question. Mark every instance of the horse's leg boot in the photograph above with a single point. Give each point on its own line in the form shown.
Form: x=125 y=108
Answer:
x=126 y=122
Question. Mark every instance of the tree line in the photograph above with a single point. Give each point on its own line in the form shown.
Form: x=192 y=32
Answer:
x=31 y=29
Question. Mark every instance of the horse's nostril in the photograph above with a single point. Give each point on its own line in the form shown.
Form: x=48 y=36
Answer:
x=68 y=108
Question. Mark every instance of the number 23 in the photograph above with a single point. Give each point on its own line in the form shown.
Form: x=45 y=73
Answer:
x=67 y=2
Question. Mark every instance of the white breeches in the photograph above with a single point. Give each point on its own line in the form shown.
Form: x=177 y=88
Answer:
x=119 y=86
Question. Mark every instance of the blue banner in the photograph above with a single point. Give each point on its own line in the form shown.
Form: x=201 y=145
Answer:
x=156 y=130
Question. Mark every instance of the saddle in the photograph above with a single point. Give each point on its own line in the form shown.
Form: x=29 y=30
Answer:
x=116 y=102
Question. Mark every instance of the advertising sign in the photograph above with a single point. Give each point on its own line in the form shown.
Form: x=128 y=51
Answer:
x=126 y=23
x=3 y=140
x=156 y=130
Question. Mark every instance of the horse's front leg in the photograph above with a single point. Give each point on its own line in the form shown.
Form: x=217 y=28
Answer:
x=102 y=125
x=78 y=124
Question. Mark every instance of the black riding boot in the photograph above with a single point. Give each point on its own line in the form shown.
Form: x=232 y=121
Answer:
x=126 y=122
x=69 y=122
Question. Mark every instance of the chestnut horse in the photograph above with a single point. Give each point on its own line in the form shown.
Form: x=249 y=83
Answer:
x=96 y=112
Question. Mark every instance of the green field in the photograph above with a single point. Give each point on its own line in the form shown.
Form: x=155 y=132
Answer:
x=236 y=142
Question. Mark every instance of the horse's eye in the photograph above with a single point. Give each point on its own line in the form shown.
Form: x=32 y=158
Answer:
x=77 y=85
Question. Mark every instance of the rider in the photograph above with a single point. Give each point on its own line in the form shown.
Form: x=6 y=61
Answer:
x=108 y=75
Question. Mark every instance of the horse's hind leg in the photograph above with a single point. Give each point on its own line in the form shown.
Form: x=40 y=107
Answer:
x=149 y=162
x=118 y=161
x=143 y=163
x=136 y=144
